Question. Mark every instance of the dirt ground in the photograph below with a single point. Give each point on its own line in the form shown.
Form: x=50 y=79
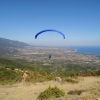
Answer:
x=30 y=91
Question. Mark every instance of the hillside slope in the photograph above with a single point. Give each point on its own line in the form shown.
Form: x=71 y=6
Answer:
x=25 y=91
x=8 y=47
x=11 y=43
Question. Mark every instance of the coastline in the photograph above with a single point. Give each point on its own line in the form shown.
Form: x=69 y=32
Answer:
x=95 y=50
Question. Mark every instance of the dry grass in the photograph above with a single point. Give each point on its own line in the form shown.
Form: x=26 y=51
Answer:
x=86 y=96
x=30 y=91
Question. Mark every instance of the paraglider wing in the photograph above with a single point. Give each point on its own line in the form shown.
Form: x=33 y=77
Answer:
x=49 y=30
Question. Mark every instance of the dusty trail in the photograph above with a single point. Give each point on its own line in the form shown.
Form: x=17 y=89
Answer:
x=30 y=91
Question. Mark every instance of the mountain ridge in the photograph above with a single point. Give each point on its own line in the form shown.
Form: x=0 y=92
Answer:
x=12 y=43
x=8 y=46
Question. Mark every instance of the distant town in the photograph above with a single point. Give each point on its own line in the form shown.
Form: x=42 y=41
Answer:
x=58 y=55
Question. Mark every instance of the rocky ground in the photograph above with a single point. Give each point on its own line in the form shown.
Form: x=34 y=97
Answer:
x=30 y=91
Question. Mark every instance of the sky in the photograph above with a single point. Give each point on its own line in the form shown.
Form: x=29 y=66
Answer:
x=79 y=20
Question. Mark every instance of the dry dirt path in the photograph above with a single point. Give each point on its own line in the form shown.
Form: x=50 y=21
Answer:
x=30 y=91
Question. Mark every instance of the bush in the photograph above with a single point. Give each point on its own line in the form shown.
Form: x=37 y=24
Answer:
x=51 y=92
x=8 y=76
x=98 y=72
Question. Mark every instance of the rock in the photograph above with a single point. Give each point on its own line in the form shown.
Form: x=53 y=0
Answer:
x=58 y=79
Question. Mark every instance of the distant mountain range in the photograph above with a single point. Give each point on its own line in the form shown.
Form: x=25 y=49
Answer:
x=11 y=43
x=10 y=46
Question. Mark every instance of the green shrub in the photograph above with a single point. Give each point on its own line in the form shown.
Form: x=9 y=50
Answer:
x=98 y=72
x=51 y=92
x=8 y=76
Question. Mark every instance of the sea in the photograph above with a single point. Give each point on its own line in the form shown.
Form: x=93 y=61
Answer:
x=87 y=49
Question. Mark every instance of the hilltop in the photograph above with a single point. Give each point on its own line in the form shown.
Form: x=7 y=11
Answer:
x=87 y=89
x=25 y=84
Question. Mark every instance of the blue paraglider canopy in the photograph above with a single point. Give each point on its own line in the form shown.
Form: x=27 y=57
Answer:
x=52 y=30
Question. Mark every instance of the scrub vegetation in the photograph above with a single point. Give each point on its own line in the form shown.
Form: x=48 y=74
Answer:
x=18 y=70
x=51 y=92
